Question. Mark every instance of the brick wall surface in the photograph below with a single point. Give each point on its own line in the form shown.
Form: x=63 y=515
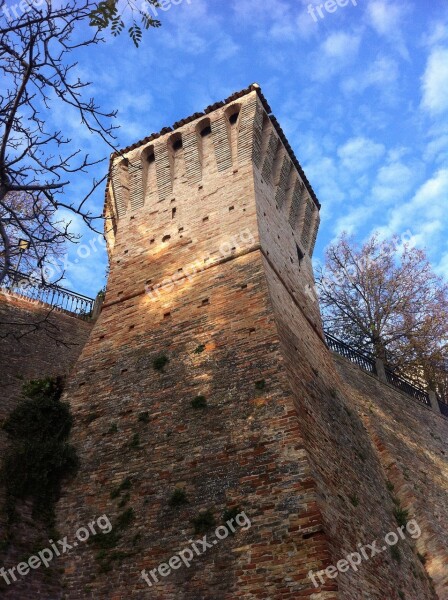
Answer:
x=50 y=350
x=411 y=443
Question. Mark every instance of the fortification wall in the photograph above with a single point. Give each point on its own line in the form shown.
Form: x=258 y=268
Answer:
x=355 y=502
x=295 y=455
x=411 y=443
x=35 y=342
x=50 y=347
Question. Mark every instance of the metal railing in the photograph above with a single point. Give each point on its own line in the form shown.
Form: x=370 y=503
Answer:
x=365 y=361
x=52 y=294
x=407 y=387
x=443 y=407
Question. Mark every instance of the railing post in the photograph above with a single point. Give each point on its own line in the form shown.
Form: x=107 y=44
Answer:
x=434 y=402
x=380 y=370
x=96 y=311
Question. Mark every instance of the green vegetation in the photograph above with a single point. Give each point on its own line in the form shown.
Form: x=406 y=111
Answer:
x=135 y=441
x=230 y=514
x=199 y=402
x=160 y=362
x=199 y=349
x=178 y=498
x=126 y=484
x=143 y=417
x=125 y=518
x=395 y=553
x=401 y=515
x=354 y=500
x=203 y=522
x=39 y=458
x=260 y=384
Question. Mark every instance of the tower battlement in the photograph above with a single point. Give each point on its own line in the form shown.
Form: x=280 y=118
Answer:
x=184 y=194
x=238 y=133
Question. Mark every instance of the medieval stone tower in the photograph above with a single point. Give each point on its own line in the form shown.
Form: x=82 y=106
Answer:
x=207 y=372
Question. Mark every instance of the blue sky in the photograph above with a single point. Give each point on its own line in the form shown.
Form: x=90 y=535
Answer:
x=362 y=95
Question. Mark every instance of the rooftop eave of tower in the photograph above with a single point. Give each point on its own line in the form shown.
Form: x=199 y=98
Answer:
x=252 y=88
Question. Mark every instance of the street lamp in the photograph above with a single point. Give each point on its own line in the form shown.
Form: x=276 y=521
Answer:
x=23 y=246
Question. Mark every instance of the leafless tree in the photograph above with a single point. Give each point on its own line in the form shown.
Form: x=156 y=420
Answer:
x=36 y=162
x=37 y=38
x=384 y=297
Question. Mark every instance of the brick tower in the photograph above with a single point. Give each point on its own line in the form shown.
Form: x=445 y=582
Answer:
x=211 y=227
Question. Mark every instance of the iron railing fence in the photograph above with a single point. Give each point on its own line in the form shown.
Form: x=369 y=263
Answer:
x=443 y=407
x=367 y=362
x=406 y=386
x=49 y=293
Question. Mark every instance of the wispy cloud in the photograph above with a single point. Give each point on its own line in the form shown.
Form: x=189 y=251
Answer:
x=435 y=82
x=359 y=153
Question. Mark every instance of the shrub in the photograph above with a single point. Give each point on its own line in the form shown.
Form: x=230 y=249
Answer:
x=354 y=500
x=203 y=522
x=160 y=362
x=230 y=513
x=135 y=441
x=260 y=384
x=178 y=498
x=125 y=518
x=199 y=402
x=395 y=553
x=144 y=417
x=126 y=484
x=40 y=458
x=401 y=516
x=199 y=349
x=125 y=499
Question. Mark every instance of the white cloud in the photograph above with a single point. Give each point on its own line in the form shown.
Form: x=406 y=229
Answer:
x=394 y=181
x=359 y=153
x=386 y=18
x=382 y=72
x=437 y=149
x=435 y=82
x=424 y=214
x=337 y=51
x=353 y=220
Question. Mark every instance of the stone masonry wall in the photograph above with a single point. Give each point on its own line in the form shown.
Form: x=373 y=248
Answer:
x=327 y=421
x=50 y=350
x=245 y=449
